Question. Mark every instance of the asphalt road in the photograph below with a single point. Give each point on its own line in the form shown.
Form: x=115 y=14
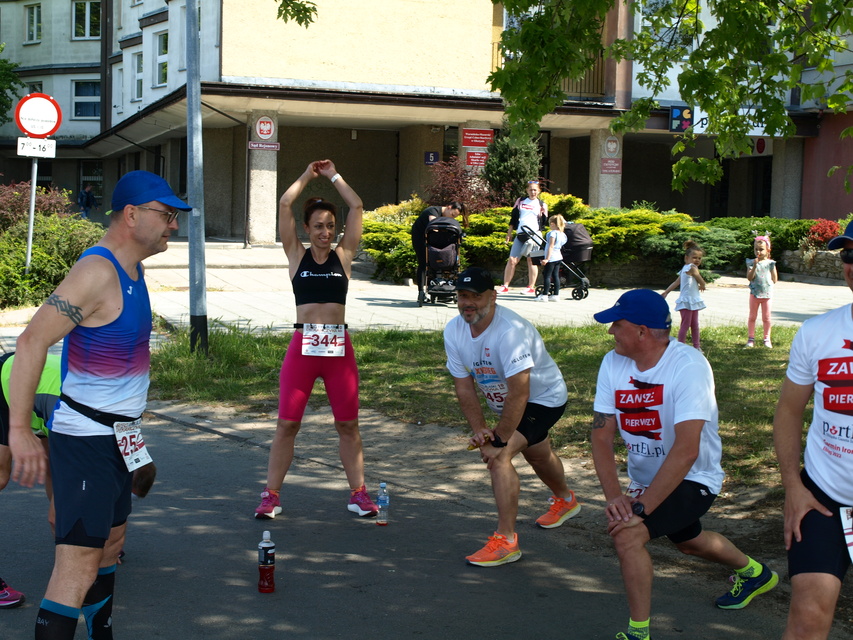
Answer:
x=191 y=565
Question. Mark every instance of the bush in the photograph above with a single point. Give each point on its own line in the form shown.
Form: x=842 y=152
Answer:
x=568 y=206
x=821 y=232
x=785 y=234
x=451 y=181
x=509 y=167
x=15 y=202
x=403 y=213
x=57 y=243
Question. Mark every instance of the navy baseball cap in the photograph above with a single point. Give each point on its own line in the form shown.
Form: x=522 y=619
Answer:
x=838 y=243
x=475 y=279
x=639 y=306
x=139 y=187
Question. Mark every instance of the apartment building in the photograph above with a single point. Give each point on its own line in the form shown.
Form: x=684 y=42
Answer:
x=384 y=89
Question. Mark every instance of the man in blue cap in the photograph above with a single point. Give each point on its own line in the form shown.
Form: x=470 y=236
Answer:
x=102 y=311
x=819 y=495
x=659 y=394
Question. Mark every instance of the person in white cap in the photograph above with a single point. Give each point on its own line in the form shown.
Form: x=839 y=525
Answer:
x=818 y=510
x=658 y=394
x=103 y=312
x=494 y=349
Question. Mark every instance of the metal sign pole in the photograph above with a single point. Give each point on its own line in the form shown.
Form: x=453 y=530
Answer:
x=32 y=213
x=195 y=174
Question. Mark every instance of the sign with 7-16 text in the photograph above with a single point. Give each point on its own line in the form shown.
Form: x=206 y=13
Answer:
x=36 y=148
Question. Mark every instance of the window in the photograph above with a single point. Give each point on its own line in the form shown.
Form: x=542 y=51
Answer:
x=137 y=77
x=34 y=87
x=92 y=172
x=87 y=20
x=33 y=20
x=670 y=22
x=87 y=99
x=162 y=57
x=118 y=90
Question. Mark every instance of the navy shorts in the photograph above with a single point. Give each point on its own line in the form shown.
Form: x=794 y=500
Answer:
x=4 y=407
x=823 y=548
x=91 y=488
x=538 y=420
x=677 y=517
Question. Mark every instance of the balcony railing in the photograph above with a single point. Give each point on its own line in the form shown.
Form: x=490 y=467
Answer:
x=590 y=87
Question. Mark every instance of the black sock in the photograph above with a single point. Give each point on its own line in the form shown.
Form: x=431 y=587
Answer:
x=56 y=621
x=98 y=605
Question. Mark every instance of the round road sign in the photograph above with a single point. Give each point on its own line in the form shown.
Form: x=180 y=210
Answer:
x=38 y=115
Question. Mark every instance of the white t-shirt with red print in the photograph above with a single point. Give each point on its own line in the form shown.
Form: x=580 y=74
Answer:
x=822 y=355
x=648 y=404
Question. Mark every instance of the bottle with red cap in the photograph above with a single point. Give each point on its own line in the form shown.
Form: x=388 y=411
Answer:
x=266 y=564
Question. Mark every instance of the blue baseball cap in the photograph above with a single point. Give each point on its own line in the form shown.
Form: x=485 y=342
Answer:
x=838 y=243
x=639 y=306
x=139 y=187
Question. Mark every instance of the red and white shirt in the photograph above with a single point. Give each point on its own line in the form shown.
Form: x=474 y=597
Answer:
x=648 y=404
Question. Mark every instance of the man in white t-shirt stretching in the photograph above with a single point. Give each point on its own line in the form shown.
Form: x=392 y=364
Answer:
x=818 y=498
x=500 y=352
x=659 y=395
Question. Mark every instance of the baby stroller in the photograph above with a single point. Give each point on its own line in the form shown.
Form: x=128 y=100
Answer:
x=576 y=251
x=443 y=237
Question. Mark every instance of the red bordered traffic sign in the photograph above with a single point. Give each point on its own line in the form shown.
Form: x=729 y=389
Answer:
x=38 y=115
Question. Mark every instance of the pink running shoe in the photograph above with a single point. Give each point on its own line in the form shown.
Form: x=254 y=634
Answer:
x=361 y=504
x=503 y=289
x=270 y=506
x=9 y=598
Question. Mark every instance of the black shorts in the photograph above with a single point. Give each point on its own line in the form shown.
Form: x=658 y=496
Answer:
x=4 y=407
x=677 y=517
x=823 y=548
x=538 y=420
x=91 y=488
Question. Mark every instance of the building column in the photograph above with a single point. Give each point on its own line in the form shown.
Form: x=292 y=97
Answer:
x=262 y=178
x=786 y=190
x=605 y=169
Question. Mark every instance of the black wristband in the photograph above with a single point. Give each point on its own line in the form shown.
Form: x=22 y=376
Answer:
x=497 y=442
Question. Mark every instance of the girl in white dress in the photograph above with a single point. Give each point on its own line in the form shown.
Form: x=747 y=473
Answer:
x=690 y=301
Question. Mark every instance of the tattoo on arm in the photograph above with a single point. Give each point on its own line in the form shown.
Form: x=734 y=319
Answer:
x=600 y=419
x=65 y=308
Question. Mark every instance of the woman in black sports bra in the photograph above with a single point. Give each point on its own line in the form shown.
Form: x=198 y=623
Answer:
x=320 y=347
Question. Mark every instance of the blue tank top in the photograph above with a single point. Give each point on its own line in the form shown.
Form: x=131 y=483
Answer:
x=107 y=367
x=325 y=282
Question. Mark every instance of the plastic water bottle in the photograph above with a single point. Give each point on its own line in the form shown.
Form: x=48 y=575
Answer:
x=383 y=501
x=266 y=564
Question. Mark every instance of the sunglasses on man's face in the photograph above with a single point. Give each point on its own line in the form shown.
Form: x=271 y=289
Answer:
x=846 y=256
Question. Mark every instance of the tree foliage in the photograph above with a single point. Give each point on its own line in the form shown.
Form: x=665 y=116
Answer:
x=738 y=61
x=9 y=84
x=511 y=163
x=302 y=12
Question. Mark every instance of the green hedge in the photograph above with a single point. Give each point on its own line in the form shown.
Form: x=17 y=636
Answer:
x=58 y=241
x=619 y=236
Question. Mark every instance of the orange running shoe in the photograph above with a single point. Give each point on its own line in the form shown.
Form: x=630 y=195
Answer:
x=498 y=550
x=560 y=511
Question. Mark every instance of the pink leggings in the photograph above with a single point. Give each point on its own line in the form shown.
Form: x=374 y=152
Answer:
x=689 y=320
x=298 y=374
x=765 y=305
